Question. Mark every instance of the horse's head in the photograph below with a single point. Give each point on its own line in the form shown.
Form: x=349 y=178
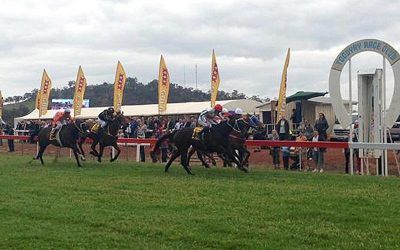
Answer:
x=120 y=118
x=246 y=124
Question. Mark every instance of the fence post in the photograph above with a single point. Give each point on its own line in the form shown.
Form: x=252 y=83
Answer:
x=137 y=152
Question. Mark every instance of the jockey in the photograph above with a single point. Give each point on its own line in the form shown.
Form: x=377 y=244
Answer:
x=238 y=112
x=210 y=116
x=60 y=119
x=105 y=117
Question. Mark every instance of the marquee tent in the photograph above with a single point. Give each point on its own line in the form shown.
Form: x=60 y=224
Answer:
x=186 y=108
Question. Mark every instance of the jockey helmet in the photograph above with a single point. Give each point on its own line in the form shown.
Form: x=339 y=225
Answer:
x=68 y=111
x=111 y=109
x=218 y=108
x=239 y=111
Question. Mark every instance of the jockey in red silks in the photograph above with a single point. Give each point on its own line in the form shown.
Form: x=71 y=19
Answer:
x=210 y=116
x=60 y=119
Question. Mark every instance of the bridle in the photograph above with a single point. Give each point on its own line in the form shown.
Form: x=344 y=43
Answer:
x=235 y=127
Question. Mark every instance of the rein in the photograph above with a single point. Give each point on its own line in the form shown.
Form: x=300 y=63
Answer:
x=233 y=127
x=78 y=127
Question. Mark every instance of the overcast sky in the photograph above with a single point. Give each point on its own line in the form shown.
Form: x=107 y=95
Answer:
x=250 y=39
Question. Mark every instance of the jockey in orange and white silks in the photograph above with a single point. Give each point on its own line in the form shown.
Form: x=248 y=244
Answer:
x=61 y=118
x=211 y=116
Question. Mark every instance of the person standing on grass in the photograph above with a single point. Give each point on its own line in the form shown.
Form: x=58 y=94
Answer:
x=321 y=125
x=282 y=127
x=275 y=150
x=9 y=130
x=141 y=134
x=318 y=153
x=285 y=157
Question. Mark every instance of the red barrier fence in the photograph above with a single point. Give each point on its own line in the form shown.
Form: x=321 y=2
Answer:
x=252 y=143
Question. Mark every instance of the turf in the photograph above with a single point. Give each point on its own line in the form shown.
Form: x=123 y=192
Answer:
x=130 y=205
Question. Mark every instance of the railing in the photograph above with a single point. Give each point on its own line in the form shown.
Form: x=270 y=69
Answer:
x=137 y=142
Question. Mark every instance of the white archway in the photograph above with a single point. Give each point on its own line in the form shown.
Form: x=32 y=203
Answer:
x=343 y=57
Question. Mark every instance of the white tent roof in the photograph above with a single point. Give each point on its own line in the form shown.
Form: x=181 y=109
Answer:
x=248 y=106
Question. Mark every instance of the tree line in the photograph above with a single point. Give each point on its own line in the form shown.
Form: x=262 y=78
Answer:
x=100 y=95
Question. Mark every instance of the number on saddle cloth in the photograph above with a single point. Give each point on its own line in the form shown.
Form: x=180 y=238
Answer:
x=95 y=128
x=196 y=133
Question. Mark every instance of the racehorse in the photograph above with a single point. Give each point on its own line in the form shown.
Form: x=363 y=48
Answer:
x=237 y=139
x=106 y=138
x=213 y=140
x=68 y=136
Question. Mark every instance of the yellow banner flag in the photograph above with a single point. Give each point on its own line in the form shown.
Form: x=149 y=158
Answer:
x=163 y=86
x=37 y=102
x=119 y=86
x=282 y=90
x=1 y=105
x=80 y=88
x=45 y=90
x=215 y=80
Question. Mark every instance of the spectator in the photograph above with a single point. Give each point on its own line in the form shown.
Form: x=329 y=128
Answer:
x=171 y=124
x=186 y=123
x=275 y=150
x=133 y=126
x=318 y=153
x=193 y=122
x=294 y=119
x=285 y=157
x=1 y=133
x=302 y=152
x=308 y=130
x=321 y=125
x=163 y=146
x=178 y=124
x=10 y=131
x=282 y=127
x=141 y=133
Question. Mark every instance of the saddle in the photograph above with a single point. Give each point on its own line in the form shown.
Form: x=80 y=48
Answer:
x=55 y=135
x=95 y=128
x=196 y=133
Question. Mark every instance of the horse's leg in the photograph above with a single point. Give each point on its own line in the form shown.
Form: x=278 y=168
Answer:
x=80 y=143
x=100 y=154
x=76 y=150
x=246 y=154
x=230 y=154
x=93 y=147
x=175 y=155
x=115 y=145
x=201 y=158
x=40 y=153
x=184 y=162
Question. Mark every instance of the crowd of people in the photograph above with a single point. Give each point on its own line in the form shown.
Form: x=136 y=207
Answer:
x=301 y=132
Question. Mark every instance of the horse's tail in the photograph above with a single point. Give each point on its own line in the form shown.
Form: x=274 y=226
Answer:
x=167 y=136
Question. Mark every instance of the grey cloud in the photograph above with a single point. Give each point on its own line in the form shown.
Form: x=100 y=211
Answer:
x=250 y=38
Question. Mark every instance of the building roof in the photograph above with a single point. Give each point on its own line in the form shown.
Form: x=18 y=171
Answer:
x=248 y=106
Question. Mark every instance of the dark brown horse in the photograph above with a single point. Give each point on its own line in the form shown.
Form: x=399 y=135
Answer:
x=68 y=137
x=105 y=138
x=237 y=139
x=213 y=140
